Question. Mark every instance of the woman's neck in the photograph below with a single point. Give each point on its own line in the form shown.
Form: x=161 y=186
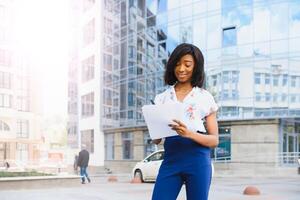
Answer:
x=183 y=86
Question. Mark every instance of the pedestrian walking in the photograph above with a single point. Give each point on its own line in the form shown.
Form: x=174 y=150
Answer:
x=83 y=162
x=187 y=156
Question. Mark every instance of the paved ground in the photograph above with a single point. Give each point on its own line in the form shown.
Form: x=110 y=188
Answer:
x=100 y=189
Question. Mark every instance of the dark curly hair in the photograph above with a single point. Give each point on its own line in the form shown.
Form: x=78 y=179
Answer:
x=198 y=71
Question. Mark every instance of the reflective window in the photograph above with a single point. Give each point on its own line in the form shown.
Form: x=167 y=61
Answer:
x=261 y=15
x=257 y=96
x=87 y=105
x=257 y=78
x=268 y=97
x=149 y=147
x=22 y=152
x=293 y=81
x=223 y=150
x=109 y=146
x=87 y=138
x=284 y=80
x=229 y=37
x=275 y=80
x=130 y=99
x=4 y=126
x=127 y=145
x=267 y=79
x=294 y=19
x=23 y=128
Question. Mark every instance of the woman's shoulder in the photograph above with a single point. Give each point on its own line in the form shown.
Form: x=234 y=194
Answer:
x=203 y=92
x=162 y=95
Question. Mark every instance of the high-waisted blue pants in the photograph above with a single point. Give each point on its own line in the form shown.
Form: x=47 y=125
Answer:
x=185 y=161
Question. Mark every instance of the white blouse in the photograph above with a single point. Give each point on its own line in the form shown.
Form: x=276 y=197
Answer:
x=198 y=104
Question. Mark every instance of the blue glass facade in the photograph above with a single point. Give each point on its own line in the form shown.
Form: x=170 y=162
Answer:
x=251 y=50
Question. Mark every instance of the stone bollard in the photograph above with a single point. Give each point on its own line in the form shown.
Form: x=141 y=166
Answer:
x=136 y=180
x=251 y=190
x=112 y=179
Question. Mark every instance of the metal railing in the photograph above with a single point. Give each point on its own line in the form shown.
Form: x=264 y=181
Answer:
x=279 y=159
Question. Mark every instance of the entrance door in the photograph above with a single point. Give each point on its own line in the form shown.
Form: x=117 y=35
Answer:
x=291 y=148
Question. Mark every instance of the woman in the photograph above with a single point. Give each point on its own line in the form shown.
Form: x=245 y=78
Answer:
x=187 y=156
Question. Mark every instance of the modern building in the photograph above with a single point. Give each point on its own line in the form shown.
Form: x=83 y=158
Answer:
x=252 y=59
x=84 y=89
x=20 y=103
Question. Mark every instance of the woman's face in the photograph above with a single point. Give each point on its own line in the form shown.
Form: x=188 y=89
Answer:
x=184 y=68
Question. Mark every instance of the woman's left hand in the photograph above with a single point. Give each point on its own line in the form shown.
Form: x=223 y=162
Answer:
x=180 y=128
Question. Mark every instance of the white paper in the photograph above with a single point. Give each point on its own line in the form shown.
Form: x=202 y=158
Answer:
x=158 y=117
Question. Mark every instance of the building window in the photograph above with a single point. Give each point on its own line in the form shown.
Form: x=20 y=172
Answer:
x=130 y=114
x=87 y=138
x=223 y=150
x=109 y=146
x=268 y=97
x=257 y=96
x=87 y=105
x=235 y=77
x=293 y=81
x=22 y=152
x=22 y=128
x=229 y=37
x=214 y=80
x=107 y=61
x=257 y=78
x=225 y=76
x=23 y=103
x=149 y=147
x=5 y=100
x=267 y=79
x=88 y=69
x=5 y=80
x=4 y=126
x=130 y=99
x=225 y=95
x=5 y=55
x=283 y=97
x=275 y=80
x=107 y=97
x=275 y=96
x=293 y=98
x=108 y=26
x=284 y=80
x=235 y=94
x=89 y=32
x=127 y=145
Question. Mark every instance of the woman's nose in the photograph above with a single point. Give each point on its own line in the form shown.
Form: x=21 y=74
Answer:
x=181 y=68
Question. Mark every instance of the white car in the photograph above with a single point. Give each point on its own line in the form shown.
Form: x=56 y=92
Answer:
x=147 y=169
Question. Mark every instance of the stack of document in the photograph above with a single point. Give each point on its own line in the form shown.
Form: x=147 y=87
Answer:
x=158 y=117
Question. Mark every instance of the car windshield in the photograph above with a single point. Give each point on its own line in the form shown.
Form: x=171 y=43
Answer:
x=155 y=157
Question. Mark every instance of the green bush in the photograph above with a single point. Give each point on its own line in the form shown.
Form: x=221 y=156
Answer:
x=22 y=174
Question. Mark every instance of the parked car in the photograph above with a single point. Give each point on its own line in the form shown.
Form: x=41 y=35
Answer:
x=147 y=169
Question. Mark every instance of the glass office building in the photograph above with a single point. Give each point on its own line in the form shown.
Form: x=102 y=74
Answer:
x=252 y=63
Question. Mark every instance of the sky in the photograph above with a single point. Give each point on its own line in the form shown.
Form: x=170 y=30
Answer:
x=41 y=30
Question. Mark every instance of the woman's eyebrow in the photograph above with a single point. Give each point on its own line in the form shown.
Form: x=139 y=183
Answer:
x=187 y=60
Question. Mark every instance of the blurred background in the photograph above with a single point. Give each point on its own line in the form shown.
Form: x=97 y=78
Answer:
x=78 y=72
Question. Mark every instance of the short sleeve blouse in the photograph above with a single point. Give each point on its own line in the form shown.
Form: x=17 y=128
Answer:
x=198 y=104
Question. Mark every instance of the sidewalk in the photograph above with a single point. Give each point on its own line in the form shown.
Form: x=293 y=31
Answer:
x=101 y=189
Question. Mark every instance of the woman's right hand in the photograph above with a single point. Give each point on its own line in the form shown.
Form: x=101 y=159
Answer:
x=156 y=141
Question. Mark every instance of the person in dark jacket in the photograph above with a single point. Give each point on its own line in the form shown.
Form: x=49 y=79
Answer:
x=83 y=162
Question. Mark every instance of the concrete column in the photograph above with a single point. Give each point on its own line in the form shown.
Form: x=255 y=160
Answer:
x=118 y=146
x=255 y=141
x=138 y=148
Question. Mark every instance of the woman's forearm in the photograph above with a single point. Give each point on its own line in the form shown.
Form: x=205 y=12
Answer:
x=211 y=140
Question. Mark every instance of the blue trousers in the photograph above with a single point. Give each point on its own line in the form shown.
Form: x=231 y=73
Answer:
x=185 y=162
x=83 y=173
